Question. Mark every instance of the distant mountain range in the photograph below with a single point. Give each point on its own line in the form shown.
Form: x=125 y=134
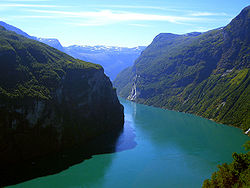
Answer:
x=202 y=73
x=113 y=59
x=52 y=42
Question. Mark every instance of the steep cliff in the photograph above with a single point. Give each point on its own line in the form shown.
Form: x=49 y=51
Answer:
x=202 y=73
x=49 y=101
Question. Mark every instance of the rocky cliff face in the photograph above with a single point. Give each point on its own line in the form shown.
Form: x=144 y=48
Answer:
x=33 y=127
x=50 y=102
x=206 y=74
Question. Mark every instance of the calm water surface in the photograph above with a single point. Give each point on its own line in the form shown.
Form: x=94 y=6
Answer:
x=164 y=149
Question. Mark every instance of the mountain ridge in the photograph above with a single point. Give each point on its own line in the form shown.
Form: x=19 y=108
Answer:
x=49 y=41
x=206 y=74
x=112 y=58
x=50 y=103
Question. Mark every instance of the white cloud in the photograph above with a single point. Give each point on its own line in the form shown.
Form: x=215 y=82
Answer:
x=131 y=7
x=87 y=23
x=184 y=11
x=140 y=25
x=105 y=17
x=207 y=14
x=32 y=16
x=108 y=16
x=198 y=29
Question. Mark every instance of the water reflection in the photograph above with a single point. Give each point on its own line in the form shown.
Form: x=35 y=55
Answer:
x=126 y=140
x=107 y=143
x=157 y=148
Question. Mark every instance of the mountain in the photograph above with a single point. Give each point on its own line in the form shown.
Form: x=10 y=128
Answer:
x=49 y=41
x=113 y=59
x=52 y=42
x=50 y=103
x=201 y=73
x=16 y=30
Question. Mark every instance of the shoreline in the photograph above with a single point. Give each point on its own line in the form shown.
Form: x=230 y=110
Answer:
x=243 y=132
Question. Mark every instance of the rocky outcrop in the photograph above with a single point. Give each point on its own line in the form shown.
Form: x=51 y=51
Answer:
x=34 y=127
x=134 y=92
x=206 y=74
x=50 y=103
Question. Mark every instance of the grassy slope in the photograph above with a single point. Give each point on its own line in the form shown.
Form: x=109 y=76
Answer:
x=206 y=74
x=35 y=69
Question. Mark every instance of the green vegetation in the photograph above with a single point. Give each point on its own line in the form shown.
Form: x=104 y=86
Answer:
x=235 y=174
x=49 y=103
x=202 y=73
x=32 y=69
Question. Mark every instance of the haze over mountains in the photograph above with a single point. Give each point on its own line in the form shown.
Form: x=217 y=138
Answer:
x=114 y=59
x=202 y=73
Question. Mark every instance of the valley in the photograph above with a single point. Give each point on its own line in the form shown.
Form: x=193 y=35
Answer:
x=174 y=113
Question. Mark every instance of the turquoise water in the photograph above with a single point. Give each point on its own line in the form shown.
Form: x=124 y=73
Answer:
x=164 y=149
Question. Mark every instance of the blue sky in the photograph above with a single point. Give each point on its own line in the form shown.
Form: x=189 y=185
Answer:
x=116 y=22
